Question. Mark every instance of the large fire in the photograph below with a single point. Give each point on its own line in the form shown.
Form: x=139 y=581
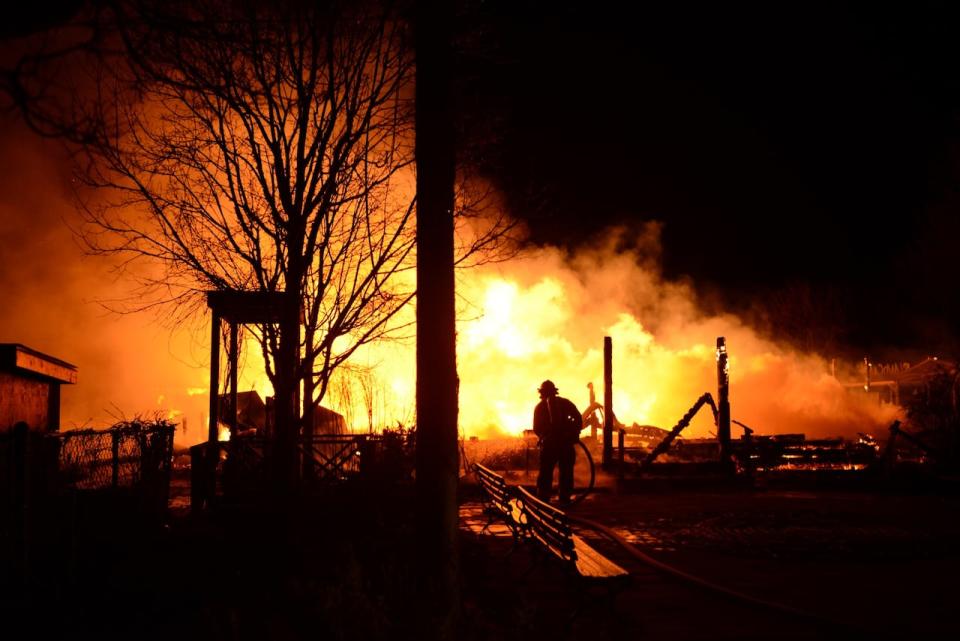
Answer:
x=544 y=315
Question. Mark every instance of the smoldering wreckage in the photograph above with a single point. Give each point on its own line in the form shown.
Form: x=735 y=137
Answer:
x=919 y=445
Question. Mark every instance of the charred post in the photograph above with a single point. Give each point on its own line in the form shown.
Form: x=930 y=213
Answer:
x=723 y=400
x=607 y=401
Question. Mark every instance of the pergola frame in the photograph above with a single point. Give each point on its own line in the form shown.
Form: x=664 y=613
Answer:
x=237 y=308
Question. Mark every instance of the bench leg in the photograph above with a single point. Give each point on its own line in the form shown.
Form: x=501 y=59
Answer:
x=535 y=558
x=607 y=596
x=517 y=540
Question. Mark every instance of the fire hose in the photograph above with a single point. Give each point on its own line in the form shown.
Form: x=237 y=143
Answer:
x=715 y=588
x=581 y=494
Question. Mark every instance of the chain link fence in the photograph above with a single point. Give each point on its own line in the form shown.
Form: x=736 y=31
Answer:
x=134 y=455
x=60 y=489
x=122 y=456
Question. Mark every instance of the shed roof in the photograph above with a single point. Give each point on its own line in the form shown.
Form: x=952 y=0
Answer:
x=252 y=307
x=21 y=359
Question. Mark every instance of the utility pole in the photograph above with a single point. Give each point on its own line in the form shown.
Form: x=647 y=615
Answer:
x=437 y=459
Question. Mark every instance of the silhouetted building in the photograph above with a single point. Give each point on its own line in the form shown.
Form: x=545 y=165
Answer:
x=255 y=414
x=915 y=383
x=251 y=411
x=30 y=387
x=326 y=421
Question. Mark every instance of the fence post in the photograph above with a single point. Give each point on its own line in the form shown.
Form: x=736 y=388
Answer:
x=167 y=465
x=620 y=452
x=198 y=477
x=115 y=454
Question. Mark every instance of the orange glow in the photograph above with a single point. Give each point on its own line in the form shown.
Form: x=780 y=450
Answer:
x=545 y=315
x=541 y=315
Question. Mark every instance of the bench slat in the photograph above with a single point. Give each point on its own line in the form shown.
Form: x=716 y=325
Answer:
x=591 y=563
x=499 y=499
x=546 y=524
x=551 y=528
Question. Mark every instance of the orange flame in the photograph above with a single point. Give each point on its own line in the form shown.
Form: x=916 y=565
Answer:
x=545 y=316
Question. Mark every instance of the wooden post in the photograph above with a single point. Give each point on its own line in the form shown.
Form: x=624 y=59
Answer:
x=212 y=452
x=309 y=411
x=621 y=453
x=593 y=423
x=114 y=457
x=234 y=358
x=723 y=401
x=198 y=477
x=607 y=458
x=212 y=434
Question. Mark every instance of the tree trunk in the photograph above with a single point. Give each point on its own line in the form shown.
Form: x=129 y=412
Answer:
x=286 y=405
x=308 y=407
x=437 y=456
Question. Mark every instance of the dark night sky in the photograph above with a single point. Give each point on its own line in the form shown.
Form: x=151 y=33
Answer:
x=777 y=142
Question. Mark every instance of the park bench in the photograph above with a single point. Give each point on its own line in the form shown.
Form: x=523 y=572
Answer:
x=499 y=503
x=550 y=529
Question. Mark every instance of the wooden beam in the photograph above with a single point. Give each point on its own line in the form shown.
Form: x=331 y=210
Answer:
x=234 y=365
x=212 y=434
x=14 y=357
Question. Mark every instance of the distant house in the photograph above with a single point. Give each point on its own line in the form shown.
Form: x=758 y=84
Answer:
x=916 y=381
x=251 y=411
x=30 y=387
x=254 y=414
x=326 y=421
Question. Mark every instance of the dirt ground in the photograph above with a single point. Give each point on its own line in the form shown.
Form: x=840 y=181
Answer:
x=869 y=565
x=863 y=565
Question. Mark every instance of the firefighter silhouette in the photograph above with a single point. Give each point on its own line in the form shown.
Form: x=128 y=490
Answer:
x=557 y=422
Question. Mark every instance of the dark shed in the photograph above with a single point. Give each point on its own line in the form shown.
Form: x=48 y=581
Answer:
x=30 y=387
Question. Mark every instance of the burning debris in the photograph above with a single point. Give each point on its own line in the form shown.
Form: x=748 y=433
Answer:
x=645 y=450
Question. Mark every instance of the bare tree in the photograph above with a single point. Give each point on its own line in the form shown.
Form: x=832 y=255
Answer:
x=245 y=147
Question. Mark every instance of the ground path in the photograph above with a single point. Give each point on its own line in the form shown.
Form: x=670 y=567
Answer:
x=881 y=562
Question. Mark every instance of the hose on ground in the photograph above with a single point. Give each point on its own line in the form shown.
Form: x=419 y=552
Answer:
x=709 y=586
